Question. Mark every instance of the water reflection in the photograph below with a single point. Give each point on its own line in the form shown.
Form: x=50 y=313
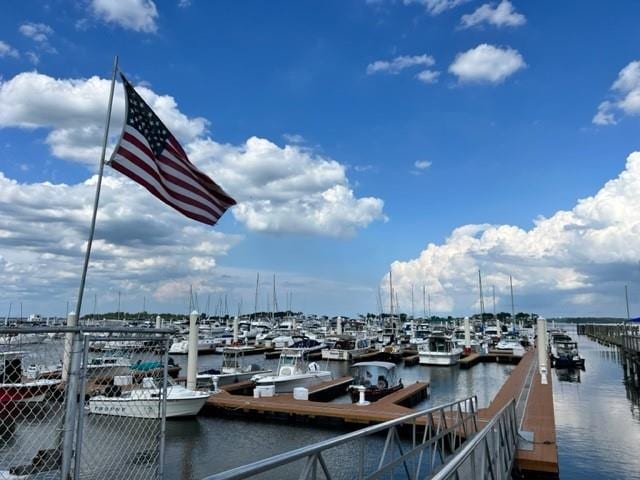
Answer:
x=568 y=375
x=206 y=445
x=593 y=420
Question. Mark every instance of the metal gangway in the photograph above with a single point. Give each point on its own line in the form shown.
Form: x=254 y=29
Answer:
x=442 y=442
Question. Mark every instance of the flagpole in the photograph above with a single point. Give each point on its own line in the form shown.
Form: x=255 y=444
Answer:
x=97 y=195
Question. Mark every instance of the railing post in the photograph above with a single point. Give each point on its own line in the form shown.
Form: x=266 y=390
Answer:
x=80 y=426
x=71 y=406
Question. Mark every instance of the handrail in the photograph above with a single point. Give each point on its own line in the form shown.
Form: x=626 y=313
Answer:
x=84 y=329
x=278 y=460
x=471 y=444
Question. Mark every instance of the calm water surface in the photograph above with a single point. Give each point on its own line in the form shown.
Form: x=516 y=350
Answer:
x=207 y=445
x=597 y=419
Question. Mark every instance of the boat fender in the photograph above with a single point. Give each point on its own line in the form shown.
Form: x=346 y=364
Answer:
x=313 y=367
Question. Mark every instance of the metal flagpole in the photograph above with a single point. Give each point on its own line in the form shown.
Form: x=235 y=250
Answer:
x=72 y=363
x=98 y=187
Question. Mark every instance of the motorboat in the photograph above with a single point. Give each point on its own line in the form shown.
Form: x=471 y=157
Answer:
x=511 y=343
x=564 y=354
x=293 y=371
x=492 y=334
x=146 y=402
x=475 y=345
x=377 y=378
x=439 y=349
x=206 y=344
x=347 y=348
x=16 y=389
x=108 y=366
x=233 y=369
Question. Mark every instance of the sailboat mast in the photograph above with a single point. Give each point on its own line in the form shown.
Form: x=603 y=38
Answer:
x=255 y=303
x=513 y=310
x=493 y=287
x=481 y=296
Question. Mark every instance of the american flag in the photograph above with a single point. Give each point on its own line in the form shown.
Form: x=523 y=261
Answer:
x=149 y=154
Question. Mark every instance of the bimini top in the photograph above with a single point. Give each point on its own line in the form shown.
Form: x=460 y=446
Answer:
x=385 y=365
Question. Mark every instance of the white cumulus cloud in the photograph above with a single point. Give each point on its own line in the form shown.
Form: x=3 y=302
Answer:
x=137 y=15
x=625 y=96
x=280 y=189
x=563 y=261
x=428 y=76
x=486 y=64
x=502 y=14
x=138 y=242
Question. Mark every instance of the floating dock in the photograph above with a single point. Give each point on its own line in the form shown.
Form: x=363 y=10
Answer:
x=285 y=406
x=537 y=458
x=493 y=356
x=537 y=454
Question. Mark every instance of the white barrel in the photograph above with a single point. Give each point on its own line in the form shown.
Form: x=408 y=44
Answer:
x=300 y=393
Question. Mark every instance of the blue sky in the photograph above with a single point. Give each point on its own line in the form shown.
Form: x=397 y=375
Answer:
x=496 y=148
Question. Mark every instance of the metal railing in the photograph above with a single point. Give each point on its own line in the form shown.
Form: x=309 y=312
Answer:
x=433 y=436
x=55 y=382
x=489 y=454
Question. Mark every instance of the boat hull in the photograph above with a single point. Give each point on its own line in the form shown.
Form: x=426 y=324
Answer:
x=287 y=384
x=143 y=408
x=436 y=358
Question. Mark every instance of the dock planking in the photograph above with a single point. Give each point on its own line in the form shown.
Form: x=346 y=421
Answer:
x=541 y=461
x=284 y=405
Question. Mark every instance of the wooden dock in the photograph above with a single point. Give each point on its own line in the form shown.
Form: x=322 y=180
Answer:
x=493 y=356
x=534 y=404
x=285 y=406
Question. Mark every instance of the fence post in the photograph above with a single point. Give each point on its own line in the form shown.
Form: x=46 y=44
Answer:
x=163 y=405
x=71 y=405
x=83 y=388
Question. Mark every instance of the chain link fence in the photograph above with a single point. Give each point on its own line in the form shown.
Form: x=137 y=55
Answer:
x=83 y=402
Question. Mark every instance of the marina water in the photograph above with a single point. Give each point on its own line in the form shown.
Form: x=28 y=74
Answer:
x=597 y=419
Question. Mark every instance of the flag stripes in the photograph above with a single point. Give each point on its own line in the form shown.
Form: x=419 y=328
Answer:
x=151 y=156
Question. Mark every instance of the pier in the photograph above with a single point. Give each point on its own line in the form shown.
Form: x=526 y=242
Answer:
x=526 y=399
x=626 y=338
x=229 y=401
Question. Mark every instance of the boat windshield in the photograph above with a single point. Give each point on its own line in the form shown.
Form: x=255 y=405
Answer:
x=373 y=376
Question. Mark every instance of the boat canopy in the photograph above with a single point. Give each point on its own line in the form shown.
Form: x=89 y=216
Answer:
x=380 y=374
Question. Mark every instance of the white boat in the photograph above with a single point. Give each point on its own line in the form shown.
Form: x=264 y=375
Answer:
x=439 y=349
x=475 y=345
x=206 y=344
x=293 y=371
x=145 y=402
x=108 y=366
x=22 y=339
x=233 y=369
x=511 y=344
x=347 y=348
